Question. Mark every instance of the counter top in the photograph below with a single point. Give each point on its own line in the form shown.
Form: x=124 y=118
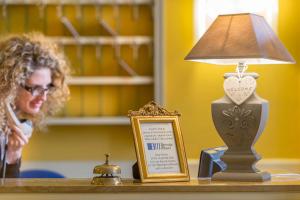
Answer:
x=279 y=183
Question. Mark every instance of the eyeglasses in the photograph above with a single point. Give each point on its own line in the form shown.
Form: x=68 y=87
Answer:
x=38 y=90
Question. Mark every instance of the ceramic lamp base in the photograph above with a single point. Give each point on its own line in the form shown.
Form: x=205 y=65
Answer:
x=240 y=125
x=240 y=176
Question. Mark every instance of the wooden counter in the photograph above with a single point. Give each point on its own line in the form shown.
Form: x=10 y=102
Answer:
x=281 y=187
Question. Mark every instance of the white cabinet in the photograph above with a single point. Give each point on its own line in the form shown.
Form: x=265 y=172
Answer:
x=114 y=47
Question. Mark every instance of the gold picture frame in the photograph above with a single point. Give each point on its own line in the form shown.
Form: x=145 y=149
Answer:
x=159 y=145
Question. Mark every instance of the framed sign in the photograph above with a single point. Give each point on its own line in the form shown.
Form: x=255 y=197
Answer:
x=159 y=145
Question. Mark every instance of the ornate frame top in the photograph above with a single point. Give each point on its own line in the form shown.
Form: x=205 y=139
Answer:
x=152 y=109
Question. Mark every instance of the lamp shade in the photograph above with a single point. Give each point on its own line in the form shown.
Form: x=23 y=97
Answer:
x=237 y=38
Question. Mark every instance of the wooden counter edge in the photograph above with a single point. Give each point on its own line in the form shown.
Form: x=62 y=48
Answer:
x=128 y=186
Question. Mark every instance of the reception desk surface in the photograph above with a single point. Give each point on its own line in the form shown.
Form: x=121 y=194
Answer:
x=280 y=187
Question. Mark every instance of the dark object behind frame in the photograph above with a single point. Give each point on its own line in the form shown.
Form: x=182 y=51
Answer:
x=135 y=171
x=210 y=161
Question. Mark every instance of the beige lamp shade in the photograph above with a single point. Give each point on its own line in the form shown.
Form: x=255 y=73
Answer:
x=237 y=38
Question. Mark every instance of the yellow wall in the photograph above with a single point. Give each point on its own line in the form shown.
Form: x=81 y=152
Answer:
x=189 y=88
x=81 y=143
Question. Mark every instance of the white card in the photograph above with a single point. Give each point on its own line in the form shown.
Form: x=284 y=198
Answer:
x=239 y=90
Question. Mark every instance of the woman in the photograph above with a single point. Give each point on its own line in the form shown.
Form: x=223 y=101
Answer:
x=33 y=83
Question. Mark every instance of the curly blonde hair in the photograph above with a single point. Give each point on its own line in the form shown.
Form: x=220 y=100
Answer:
x=20 y=56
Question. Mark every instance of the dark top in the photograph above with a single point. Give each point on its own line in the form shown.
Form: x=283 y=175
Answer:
x=12 y=170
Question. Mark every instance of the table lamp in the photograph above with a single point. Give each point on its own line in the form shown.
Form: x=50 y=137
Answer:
x=240 y=116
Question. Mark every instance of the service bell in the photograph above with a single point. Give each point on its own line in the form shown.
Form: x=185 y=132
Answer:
x=108 y=174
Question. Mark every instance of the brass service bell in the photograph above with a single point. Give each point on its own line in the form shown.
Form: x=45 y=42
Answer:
x=108 y=174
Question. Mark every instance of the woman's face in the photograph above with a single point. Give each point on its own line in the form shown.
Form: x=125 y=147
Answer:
x=33 y=94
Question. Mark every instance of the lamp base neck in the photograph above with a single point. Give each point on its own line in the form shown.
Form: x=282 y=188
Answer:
x=252 y=74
